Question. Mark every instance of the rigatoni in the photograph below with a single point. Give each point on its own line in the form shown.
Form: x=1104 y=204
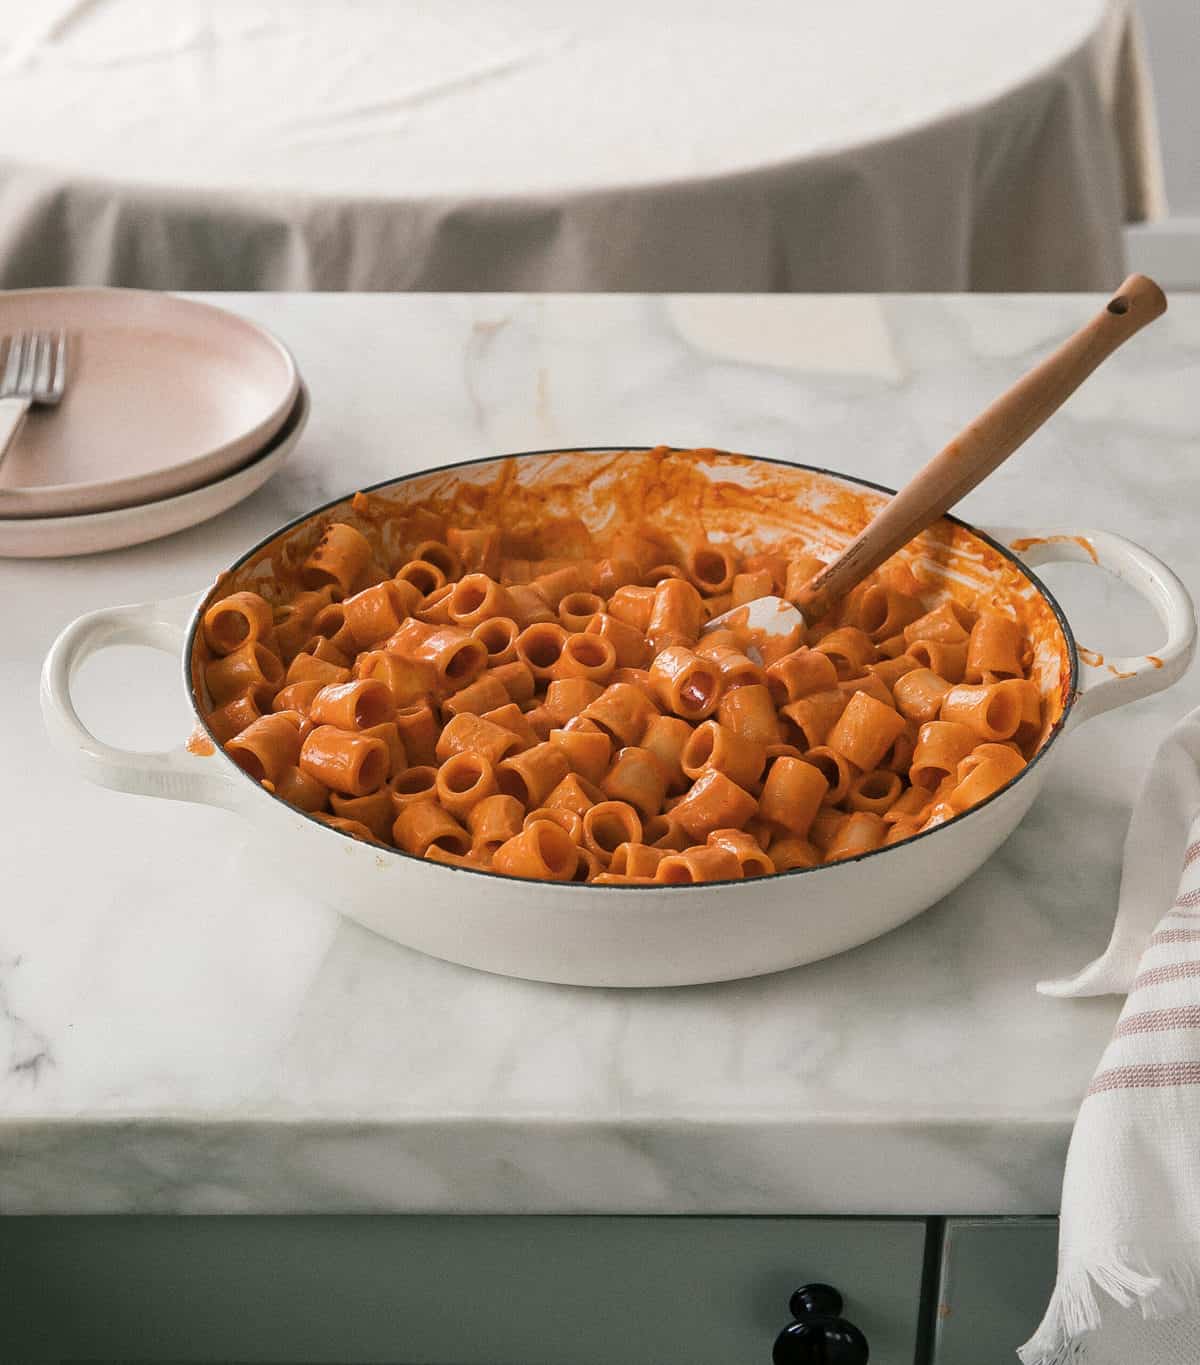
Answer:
x=745 y=848
x=544 y=851
x=347 y=762
x=376 y=613
x=423 y=824
x=463 y=781
x=338 y=559
x=459 y=658
x=982 y=772
x=418 y=729
x=532 y=774
x=858 y=833
x=676 y=614
x=251 y=666
x=237 y=619
x=636 y=860
x=792 y=795
x=353 y=705
x=876 y=791
x=992 y=711
x=750 y=712
x=849 y=649
x=609 y=824
x=801 y=673
x=630 y=644
x=638 y=777
x=713 y=802
x=702 y=863
x=375 y=811
x=478 y=598
x=941 y=746
x=623 y=710
x=686 y=683
x=267 y=747
x=483 y=695
x=587 y=656
x=492 y=822
x=918 y=694
x=469 y=733
x=715 y=746
x=540 y=646
x=232 y=718
x=424 y=575
x=712 y=568
x=546 y=706
x=995 y=650
x=585 y=746
x=498 y=635
x=301 y=789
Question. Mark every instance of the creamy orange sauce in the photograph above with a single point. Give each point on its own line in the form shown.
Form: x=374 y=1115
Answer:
x=573 y=505
x=198 y=743
x=1027 y=542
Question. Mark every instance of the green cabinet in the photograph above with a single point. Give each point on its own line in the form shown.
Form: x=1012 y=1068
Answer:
x=444 y=1290
x=995 y=1281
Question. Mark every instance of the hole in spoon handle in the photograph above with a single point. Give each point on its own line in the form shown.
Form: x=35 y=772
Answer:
x=1139 y=299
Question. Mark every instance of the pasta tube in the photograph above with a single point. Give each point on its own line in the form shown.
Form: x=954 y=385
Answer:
x=238 y=619
x=703 y=863
x=544 y=851
x=348 y=763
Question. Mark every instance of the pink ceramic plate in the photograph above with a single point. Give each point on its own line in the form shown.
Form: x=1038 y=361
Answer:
x=163 y=395
x=92 y=532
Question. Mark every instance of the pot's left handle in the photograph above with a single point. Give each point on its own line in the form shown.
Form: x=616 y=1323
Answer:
x=1113 y=681
x=176 y=774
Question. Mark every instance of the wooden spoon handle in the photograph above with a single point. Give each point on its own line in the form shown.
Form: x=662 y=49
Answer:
x=987 y=441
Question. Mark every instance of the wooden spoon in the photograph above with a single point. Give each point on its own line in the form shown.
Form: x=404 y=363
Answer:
x=982 y=446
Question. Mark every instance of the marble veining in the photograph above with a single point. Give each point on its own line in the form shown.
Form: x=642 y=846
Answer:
x=180 y=1033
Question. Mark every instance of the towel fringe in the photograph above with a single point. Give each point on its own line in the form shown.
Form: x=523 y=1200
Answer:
x=1074 y=1309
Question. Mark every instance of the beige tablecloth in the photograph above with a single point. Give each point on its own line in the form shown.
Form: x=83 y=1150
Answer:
x=531 y=144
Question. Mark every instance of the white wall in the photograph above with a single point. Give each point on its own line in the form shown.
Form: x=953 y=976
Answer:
x=1173 y=37
x=1170 y=250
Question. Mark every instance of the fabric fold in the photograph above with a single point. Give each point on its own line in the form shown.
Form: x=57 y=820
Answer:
x=503 y=148
x=1157 y=840
x=1128 y=1283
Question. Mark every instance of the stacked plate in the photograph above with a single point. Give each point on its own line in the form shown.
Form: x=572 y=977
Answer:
x=173 y=412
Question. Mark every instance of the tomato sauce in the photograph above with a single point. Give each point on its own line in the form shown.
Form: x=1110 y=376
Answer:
x=574 y=504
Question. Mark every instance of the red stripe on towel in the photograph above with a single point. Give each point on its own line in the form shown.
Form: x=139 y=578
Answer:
x=1159 y=1021
x=1175 y=936
x=1173 y=971
x=1146 y=1075
x=1188 y=899
x=1191 y=853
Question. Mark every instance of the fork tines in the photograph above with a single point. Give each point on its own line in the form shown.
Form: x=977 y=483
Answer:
x=35 y=366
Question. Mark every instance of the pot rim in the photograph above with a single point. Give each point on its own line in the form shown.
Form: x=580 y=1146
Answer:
x=1055 y=732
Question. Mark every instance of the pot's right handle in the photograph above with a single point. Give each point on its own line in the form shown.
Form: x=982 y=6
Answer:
x=177 y=774
x=1114 y=680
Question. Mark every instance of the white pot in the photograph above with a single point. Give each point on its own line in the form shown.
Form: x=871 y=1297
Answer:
x=612 y=935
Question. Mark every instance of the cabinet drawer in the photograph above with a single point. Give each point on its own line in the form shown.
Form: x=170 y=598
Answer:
x=444 y=1290
x=997 y=1276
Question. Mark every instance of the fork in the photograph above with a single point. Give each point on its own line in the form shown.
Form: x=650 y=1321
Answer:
x=35 y=372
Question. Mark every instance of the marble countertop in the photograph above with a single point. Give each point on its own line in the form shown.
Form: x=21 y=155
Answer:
x=179 y=1034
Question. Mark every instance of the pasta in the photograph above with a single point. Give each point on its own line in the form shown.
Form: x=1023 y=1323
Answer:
x=543 y=710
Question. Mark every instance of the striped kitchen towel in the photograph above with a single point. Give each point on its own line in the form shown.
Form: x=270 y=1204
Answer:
x=1128 y=1287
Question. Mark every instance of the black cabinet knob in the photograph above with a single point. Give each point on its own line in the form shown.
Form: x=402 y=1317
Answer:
x=819 y=1335
x=810 y=1300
